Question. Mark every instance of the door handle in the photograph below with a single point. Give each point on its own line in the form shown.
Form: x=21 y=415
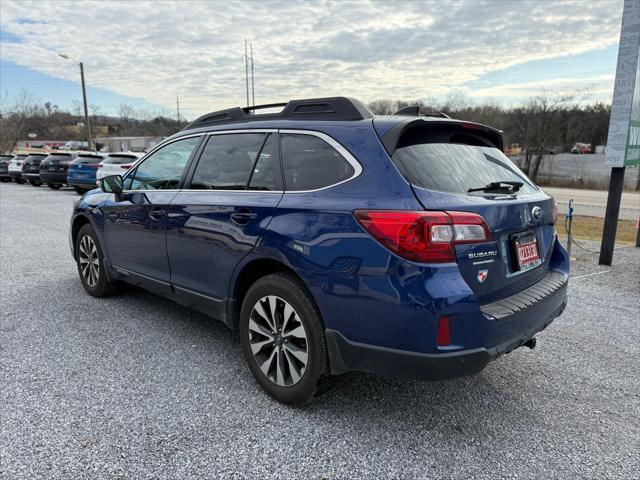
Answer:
x=157 y=213
x=243 y=216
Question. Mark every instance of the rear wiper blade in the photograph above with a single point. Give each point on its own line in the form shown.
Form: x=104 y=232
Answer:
x=510 y=187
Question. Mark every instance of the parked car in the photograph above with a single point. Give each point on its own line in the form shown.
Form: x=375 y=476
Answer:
x=116 y=164
x=53 y=170
x=15 y=168
x=31 y=168
x=582 y=148
x=81 y=175
x=4 y=168
x=332 y=240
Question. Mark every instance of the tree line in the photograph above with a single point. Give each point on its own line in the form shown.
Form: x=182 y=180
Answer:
x=549 y=122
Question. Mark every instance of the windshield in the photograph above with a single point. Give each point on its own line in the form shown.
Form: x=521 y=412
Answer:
x=455 y=168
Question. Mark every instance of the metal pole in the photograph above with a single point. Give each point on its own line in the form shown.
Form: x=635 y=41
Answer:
x=246 y=70
x=86 y=111
x=570 y=227
x=253 y=86
x=178 y=110
x=611 y=216
x=638 y=234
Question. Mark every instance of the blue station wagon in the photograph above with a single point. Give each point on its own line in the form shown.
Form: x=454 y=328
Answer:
x=333 y=240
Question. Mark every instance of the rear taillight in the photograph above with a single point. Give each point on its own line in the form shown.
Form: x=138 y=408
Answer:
x=127 y=166
x=426 y=237
x=94 y=165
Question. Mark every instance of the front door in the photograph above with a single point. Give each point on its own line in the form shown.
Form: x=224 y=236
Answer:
x=135 y=221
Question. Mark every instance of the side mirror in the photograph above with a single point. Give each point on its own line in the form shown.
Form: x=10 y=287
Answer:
x=111 y=184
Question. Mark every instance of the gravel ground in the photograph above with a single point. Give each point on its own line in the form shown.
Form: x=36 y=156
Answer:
x=137 y=387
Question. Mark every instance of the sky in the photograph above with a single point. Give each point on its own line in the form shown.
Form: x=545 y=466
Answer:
x=147 y=53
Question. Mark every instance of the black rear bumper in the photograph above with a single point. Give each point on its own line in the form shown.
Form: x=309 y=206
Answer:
x=345 y=355
x=31 y=177
x=54 y=177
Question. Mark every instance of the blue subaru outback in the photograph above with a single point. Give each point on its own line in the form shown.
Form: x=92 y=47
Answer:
x=333 y=240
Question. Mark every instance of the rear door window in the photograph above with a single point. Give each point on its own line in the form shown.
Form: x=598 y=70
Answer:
x=310 y=163
x=227 y=163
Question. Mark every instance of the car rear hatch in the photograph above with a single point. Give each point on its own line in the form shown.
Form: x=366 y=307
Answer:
x=57 y=162
x=32 y=163
x=443 y=161
x=118 y=163
x=85 y=166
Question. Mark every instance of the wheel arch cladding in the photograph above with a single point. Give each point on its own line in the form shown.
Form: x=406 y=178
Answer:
x=252 y=272
x=79 y=222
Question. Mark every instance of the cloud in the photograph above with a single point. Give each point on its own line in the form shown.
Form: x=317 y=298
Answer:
x=368 y=49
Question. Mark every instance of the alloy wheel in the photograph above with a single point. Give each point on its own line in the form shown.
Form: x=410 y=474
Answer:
x=278 y=341
x=88 y=260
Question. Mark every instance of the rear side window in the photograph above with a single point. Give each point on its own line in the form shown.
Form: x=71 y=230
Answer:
x=228 y=161
x=310 y=163
x=450 y=160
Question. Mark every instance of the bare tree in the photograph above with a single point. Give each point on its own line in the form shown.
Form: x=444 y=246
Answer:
x=14 y=117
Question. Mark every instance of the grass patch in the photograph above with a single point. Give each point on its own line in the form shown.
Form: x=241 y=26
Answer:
x=590 y=228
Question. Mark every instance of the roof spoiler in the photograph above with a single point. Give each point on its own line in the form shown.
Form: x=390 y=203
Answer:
x=391 y=139
x=416 y=111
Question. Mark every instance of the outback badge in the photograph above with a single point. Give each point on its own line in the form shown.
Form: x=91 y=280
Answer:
x=482 y=275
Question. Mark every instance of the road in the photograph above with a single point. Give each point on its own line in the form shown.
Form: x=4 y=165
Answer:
x=135 y=386
x=593 y=202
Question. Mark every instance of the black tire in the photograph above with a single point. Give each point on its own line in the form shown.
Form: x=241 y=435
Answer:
x=54 y=186
x=289 y=289
x=19 y=181
x=4 y=180
x=78 y=190
x=35 y=183
x=102 y=287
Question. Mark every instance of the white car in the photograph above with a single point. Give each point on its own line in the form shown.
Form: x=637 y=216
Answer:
x=15 y=167
x=116 y=164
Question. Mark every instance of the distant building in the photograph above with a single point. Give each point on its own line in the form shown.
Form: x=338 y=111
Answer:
x=126 y=144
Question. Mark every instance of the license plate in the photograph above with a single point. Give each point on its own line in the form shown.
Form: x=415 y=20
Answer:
x=52 y=169
x=81 y=175
x=527 y=252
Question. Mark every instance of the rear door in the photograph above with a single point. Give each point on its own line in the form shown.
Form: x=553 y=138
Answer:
x=442 y=167
x=135 y=221
x=223 y=211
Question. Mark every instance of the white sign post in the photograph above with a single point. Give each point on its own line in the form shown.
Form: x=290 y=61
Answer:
x=623 y=141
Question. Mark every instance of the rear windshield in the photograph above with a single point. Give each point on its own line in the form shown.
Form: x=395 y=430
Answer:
x=35 y=158
x=88 y=159
x=60 y=157
x=455 y=168
x=6 y=157
x=120 y=159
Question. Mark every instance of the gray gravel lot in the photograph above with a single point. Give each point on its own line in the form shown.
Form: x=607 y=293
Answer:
x=135 y=386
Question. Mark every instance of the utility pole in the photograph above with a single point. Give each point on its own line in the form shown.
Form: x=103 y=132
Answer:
x=178 y=110
x=86 y=111
x=253 y=86
x=246 y=69
x=87 y=125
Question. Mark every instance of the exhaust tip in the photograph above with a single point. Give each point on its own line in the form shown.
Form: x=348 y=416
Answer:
x=531 y=343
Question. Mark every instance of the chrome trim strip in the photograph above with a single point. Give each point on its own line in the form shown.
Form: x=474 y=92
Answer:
x=357 y=167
